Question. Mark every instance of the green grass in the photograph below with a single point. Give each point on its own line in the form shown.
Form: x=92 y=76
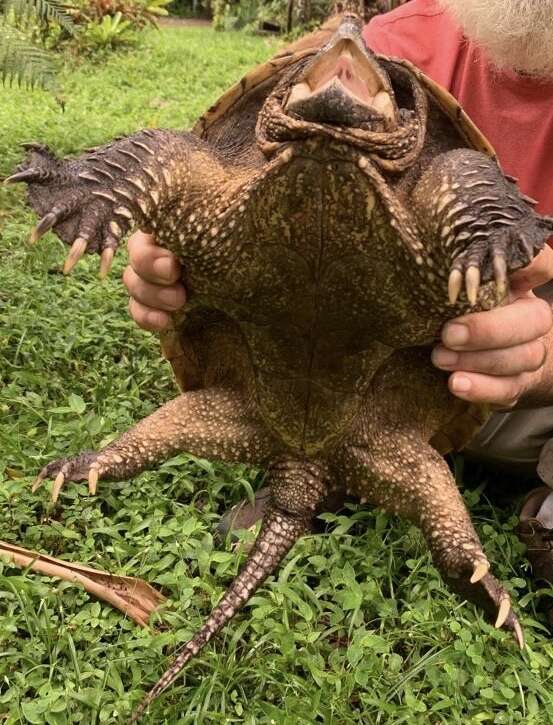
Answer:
x=357 y=626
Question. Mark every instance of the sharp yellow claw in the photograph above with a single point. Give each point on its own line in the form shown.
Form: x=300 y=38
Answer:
x=519 y=635
x=106 y=261
x=472 y=282
x=37 y=482
x=454 y=285
x=500 y=273
x=77 y=250
x=58 y=483
x=503 y=613
x=44 y=225
x=93 y=479
x=28 y=176
x=480 y=571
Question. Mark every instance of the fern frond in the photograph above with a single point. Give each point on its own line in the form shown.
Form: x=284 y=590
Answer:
x=23 y=63
x=40 y=10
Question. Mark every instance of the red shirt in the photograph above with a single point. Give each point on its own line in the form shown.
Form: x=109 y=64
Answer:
x=514 y=112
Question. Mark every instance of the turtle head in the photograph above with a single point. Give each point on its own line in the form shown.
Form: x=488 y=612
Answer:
x=343 y=92
x=344 y=85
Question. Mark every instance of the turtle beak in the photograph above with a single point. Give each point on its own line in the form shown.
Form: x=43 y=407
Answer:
x=345 y=85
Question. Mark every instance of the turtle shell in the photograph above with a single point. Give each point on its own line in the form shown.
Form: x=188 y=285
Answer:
x=244 y=100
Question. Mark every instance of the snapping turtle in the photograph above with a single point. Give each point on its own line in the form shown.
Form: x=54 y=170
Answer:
x=331 y=212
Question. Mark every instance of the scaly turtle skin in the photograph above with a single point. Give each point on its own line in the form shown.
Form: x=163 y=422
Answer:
x=244 y=100
x=327 y=215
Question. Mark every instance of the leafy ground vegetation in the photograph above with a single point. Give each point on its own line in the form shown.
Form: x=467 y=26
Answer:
x=356 y=627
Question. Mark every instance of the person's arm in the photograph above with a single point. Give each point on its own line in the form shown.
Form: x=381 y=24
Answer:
x=504 y=361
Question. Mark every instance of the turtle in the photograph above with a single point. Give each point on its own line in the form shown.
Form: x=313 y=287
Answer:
x=331 y=212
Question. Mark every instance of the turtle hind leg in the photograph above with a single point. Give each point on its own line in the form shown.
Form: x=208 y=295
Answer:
x=210 y=423
x=298 y=489
x=403 y=475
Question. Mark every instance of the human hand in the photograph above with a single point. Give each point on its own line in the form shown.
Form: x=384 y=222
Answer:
x=500 y=356
x=153 y=281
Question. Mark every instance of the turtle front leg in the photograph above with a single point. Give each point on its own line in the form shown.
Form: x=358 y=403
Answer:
x=479 y=226
x=212 y=423
x=404 y=476
x=93 y=200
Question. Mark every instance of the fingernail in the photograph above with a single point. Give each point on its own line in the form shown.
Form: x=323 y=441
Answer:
x=460 y=384
x=455 y=334
x=443 y=358
x=164 y=269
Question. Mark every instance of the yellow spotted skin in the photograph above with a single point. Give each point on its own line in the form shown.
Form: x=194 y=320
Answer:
x=318 y=261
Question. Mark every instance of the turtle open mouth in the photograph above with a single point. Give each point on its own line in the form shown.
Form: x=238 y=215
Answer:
x=344 y=86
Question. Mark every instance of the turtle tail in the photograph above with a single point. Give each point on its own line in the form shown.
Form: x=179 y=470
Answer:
x=278 y=534
x=298 y=489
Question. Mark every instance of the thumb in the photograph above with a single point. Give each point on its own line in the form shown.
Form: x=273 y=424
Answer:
x=538 y=272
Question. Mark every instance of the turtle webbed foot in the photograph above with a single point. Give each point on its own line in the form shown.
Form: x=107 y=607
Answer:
x=87 y=466
x=74 y=199
x=208 y=423
x=420 y=487
x=466 y=570
x=93 y=200
x=478 y=223
x=493 y=255
x=491 y=596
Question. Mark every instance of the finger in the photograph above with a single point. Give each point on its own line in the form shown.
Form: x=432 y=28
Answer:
x=147 y=318
x=154 y=264
x=500 y=392
x=524 y=320
x=538 y=272
x=154 y=296
x=528 y=357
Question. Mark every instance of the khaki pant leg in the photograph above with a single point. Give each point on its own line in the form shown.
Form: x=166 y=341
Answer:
x=520 y=441
x=516 y=442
